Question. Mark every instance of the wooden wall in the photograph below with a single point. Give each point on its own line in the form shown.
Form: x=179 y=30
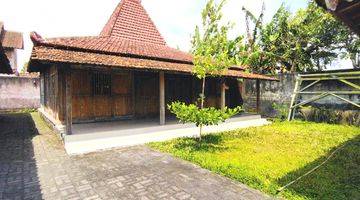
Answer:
x=50 y=102
x=134 y=94
x=86 y=106
x=146 y=86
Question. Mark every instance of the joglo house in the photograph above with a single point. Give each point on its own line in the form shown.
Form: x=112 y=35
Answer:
x=127 y=72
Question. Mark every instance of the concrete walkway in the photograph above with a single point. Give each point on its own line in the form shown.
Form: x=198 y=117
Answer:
x=92 y=137
x=34 y=165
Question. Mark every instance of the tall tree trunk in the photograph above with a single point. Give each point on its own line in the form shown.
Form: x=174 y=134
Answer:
x=293 y=68
x=318 y=65
x=202 y=99
x=355 y=59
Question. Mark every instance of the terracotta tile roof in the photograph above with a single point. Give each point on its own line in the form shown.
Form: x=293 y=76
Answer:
x=48 y=54
x=121 y=46
x=129 y=40
x=12 y=39
x=1 y=29
x=131 y=21
x=129 y=31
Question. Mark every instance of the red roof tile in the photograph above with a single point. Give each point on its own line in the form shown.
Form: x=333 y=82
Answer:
x=131 y=21
x=48 y=54
x=129 y=31
x=12 y=39
x=129 y=40
x=121 y=46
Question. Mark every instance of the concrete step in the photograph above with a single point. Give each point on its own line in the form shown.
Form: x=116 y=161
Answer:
x=142 y=134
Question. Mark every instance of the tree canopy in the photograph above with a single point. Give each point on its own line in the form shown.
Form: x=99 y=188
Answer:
x=308 y=40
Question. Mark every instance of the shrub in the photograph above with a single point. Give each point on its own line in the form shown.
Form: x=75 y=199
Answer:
x=307 y=113
x=282 y=110
x=322 y=114
x=201 y=116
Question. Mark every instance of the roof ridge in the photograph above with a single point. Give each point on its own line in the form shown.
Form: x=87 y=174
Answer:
x=130 y=20
x=71 y=37
x=120 y=5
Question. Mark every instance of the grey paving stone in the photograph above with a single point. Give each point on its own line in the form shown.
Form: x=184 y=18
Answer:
x=35 y=166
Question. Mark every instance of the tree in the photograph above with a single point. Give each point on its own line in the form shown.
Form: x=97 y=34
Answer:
x=24 y=68
x=249 y=52
x=308 y=40
x=211 y=58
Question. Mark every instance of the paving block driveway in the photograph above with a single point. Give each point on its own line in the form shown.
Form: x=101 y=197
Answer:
x=34 y=165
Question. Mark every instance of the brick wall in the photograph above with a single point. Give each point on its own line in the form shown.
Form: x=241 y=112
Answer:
x=280 y=93
x=18 y=92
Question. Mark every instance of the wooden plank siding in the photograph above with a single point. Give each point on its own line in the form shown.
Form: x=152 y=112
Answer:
x=88 y=106
x=133 y=94
x=122 y=94
x=82 y=98
x=51 y=89
x=146 y=94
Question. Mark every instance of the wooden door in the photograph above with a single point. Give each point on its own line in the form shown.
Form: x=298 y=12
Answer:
x=122 y=98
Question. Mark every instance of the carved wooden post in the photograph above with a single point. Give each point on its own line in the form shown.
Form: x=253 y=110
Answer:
x=162 y=97
x=223 y=96
x=68 y=102
x=257 y=95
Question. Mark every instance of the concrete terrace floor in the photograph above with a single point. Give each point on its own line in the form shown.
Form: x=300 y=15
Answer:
x=34 y=165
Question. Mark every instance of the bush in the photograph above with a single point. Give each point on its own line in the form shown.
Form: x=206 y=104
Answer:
x=322 y=114
x=206 y=116
x=282 y=110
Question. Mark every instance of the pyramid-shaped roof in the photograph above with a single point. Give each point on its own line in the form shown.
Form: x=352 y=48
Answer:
x=128 y=32
x=131 y=21
x=129 y=40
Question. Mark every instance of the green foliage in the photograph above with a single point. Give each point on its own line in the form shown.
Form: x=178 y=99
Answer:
x=211 y=58
x=24 y=110
x=308 y=40
x=322 y=114
x=210 y=45
x=206 y=116
x=268 y=157
x=24 y=68
x=282 y=110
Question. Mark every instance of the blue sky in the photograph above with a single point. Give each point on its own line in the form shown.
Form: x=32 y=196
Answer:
x=175 y=19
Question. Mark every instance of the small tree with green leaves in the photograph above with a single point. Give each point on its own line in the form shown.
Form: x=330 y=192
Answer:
x=211 y=58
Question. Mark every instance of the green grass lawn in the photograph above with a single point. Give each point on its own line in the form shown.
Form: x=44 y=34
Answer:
x=268 y=157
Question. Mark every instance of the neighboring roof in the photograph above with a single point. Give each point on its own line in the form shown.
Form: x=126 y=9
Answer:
x=129 y=40
x=1 y=29
x=48 y=54
x=12 y=39
x=346 y=10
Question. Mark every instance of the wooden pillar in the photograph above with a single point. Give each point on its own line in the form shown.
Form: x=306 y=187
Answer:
x=257 y=95
x=223 y=94
x=68 y=102
x=162 y=97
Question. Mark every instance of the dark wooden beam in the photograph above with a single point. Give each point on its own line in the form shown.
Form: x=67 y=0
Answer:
x=348 y=8
x=223 y=95
x=68 y=102
x=162 y=97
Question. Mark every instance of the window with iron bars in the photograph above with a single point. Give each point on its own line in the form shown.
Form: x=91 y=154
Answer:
x=101 y=83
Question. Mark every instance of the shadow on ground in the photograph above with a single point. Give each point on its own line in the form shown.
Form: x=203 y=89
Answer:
x=18 y=167
x=339 y=178
x=209 y=143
